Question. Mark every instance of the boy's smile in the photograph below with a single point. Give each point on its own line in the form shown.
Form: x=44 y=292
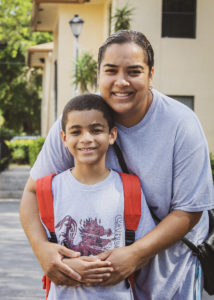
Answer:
x=87 y=136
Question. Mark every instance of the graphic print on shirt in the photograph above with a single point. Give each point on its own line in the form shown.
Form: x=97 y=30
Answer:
x=93 y=237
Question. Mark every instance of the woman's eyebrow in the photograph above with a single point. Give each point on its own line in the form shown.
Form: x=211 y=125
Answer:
x=136 y=67
x=129 y=67
x=110 y=65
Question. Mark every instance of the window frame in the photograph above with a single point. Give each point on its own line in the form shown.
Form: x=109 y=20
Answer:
x=165 y=34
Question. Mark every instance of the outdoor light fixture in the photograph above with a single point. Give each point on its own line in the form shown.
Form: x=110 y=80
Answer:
x=76 y=26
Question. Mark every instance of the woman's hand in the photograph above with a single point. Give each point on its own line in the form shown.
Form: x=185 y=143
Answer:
x=124 y=263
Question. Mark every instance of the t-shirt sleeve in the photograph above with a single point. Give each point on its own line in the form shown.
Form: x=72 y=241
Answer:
x=54 y=157
x=192 y=188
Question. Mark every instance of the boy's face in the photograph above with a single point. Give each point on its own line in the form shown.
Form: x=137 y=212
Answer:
x=87 y=136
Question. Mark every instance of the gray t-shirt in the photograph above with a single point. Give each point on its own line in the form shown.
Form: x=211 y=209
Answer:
x=168 y=151
x=90 y=219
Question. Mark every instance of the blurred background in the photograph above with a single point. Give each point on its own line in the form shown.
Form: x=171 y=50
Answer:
x=48 y=53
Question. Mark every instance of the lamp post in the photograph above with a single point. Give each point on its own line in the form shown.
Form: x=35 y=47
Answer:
x=76 y=24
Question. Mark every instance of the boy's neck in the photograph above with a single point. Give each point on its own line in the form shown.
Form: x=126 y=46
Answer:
x=90 y=174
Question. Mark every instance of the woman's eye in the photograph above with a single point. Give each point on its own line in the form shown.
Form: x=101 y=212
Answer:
x=110 y=71
x=135 y=72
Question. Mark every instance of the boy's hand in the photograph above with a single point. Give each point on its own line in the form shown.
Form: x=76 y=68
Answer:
x=91 y=268
x=51 y=260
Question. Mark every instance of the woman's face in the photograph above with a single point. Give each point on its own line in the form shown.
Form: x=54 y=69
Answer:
x=124 y=81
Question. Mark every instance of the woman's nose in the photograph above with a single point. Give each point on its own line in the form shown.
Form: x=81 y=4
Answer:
x=121 y=81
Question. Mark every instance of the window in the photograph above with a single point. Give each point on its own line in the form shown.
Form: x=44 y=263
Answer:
x=179 y=18
x=187 y=100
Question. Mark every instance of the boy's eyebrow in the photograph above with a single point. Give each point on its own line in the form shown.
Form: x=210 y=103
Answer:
x=90 y=125
x=97 y=124
x=74 y=126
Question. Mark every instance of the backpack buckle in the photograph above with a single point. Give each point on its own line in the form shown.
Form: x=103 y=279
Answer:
x=53 y=238
x=130 y=237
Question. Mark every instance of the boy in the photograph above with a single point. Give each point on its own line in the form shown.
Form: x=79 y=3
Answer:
x=88 y=199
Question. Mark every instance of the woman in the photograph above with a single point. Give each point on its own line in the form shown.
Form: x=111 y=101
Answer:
x=163 y=143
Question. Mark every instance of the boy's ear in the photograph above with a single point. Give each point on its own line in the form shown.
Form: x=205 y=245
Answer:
x=63 y=137
x=112 y=135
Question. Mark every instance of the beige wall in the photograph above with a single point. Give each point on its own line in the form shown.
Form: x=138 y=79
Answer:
x=93 y=33
x=182 y=66
x=47 y=87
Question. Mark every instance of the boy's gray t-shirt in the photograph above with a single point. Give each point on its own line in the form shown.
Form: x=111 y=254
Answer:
x=168 y=151
x=90 y=219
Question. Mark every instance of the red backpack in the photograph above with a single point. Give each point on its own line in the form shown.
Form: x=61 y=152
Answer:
x=132 y=210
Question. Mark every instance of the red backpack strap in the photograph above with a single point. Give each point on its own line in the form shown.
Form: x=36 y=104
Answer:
x=132 y=211
x=45 y=201
x=132 y=205
x=46 y=209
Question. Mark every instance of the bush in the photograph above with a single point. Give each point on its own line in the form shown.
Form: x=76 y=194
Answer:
x=34 y=149
x=6 y=133
x=19 y=151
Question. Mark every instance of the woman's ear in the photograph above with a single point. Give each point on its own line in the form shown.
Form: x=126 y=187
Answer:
x=98 y=73
x=112 y=135
x=151 y=75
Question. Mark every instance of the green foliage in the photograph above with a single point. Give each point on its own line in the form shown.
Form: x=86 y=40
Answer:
x=4 y=163
x=86 y=72
x=34 y=149
x=19 y=151
x=25 y=151
x=4 y=155
x=6 y=133
x=212 y=164
x=122 y=18
x=20 y=87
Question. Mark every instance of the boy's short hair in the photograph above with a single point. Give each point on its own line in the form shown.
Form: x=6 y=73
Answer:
x=88 y=102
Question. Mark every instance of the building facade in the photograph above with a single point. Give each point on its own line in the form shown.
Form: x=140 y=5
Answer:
x=181 y=33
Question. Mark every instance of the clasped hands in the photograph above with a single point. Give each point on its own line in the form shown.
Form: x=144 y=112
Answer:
x=66 y=267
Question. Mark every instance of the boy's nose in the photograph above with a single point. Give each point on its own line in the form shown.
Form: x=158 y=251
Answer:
x=86 y=137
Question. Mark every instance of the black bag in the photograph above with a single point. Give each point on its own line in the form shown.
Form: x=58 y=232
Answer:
x=204 y=251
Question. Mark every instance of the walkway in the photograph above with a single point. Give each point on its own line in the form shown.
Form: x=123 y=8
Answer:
x=20 y=273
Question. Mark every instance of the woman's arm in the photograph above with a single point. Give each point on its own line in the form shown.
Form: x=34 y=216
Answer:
x=171 y=229
x=50 y=255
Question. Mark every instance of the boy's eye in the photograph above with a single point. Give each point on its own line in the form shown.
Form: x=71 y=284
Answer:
x=75 y=132
x=96 y=131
